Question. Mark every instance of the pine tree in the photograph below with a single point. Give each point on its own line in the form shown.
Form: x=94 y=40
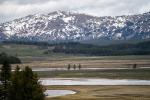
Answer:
x=16 y=89
x=74 y=66
x=79 y=66
x=25 y=86
x=5 y=76
x=69 y=66
x=1 y=92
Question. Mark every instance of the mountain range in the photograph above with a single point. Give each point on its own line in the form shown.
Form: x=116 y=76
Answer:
x=68 y=26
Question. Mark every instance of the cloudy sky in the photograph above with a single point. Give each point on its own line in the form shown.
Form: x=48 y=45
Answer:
x=12 y=9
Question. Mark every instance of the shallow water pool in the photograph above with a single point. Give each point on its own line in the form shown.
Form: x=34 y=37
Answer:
x=56 y=93
x=90 y=81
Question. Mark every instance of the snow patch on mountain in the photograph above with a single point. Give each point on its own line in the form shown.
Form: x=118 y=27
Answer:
x=62 y=25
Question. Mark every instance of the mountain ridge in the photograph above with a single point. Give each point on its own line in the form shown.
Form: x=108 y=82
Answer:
x=68 y=26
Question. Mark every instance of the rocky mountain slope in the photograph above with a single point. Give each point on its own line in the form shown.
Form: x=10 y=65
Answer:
x=64 y=26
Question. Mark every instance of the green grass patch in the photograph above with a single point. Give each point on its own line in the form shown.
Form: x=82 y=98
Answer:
x=113 y=74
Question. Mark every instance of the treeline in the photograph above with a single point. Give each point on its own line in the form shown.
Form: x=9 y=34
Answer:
x=20 y=84
x=10 y=59
x=142 y=48
x=27 y=43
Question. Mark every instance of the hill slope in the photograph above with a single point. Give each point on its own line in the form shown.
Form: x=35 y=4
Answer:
x=67 y=26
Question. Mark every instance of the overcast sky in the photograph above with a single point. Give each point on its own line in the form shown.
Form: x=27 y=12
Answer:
x=12 y=9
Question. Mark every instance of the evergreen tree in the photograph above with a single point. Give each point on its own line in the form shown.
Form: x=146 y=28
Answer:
x=1 y=92
x=16 y=87
x=11 y=59
x=134 y=66
x=74 y=66
x=69 y=66
x=5 y=76
x=25 y=86
x=79 y=66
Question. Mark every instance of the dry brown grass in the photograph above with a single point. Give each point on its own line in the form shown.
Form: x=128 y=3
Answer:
x=86 y=63
x=104 y=93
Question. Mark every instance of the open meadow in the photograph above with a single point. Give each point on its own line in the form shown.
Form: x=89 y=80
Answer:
x=104 y=93
x=62 y=61
x=34 y=57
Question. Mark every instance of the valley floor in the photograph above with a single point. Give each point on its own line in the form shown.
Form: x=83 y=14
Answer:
x=143 y=74
x=104 y=92
x=95 y=92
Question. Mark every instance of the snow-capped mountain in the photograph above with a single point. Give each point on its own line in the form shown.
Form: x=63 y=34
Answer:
x=62 y=25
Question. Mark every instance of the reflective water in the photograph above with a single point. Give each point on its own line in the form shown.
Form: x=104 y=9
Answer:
x=55 y=93
x=60 y=69
x=89 y=81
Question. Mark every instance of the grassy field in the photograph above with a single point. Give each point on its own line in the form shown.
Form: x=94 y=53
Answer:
x=86 y=61
x=92 y=63
x=104 y=92
x=34 y=57
x=66 y=57
x=113 y=74
x=29 y=51
x=33 y=51
x=21 y=50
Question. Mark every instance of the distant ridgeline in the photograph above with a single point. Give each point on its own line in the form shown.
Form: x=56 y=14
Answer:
x=12 y=60
x=139 y=48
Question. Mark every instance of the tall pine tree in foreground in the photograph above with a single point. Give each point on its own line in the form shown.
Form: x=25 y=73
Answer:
x=25 y=86
x=5 y=76
x=16 y=87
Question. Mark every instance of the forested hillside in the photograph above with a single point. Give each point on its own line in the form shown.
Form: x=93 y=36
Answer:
x=139 y=48
x=142 y=48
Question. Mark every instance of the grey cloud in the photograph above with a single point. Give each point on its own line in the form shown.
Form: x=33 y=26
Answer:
x=19 y=8
x=24 y=1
